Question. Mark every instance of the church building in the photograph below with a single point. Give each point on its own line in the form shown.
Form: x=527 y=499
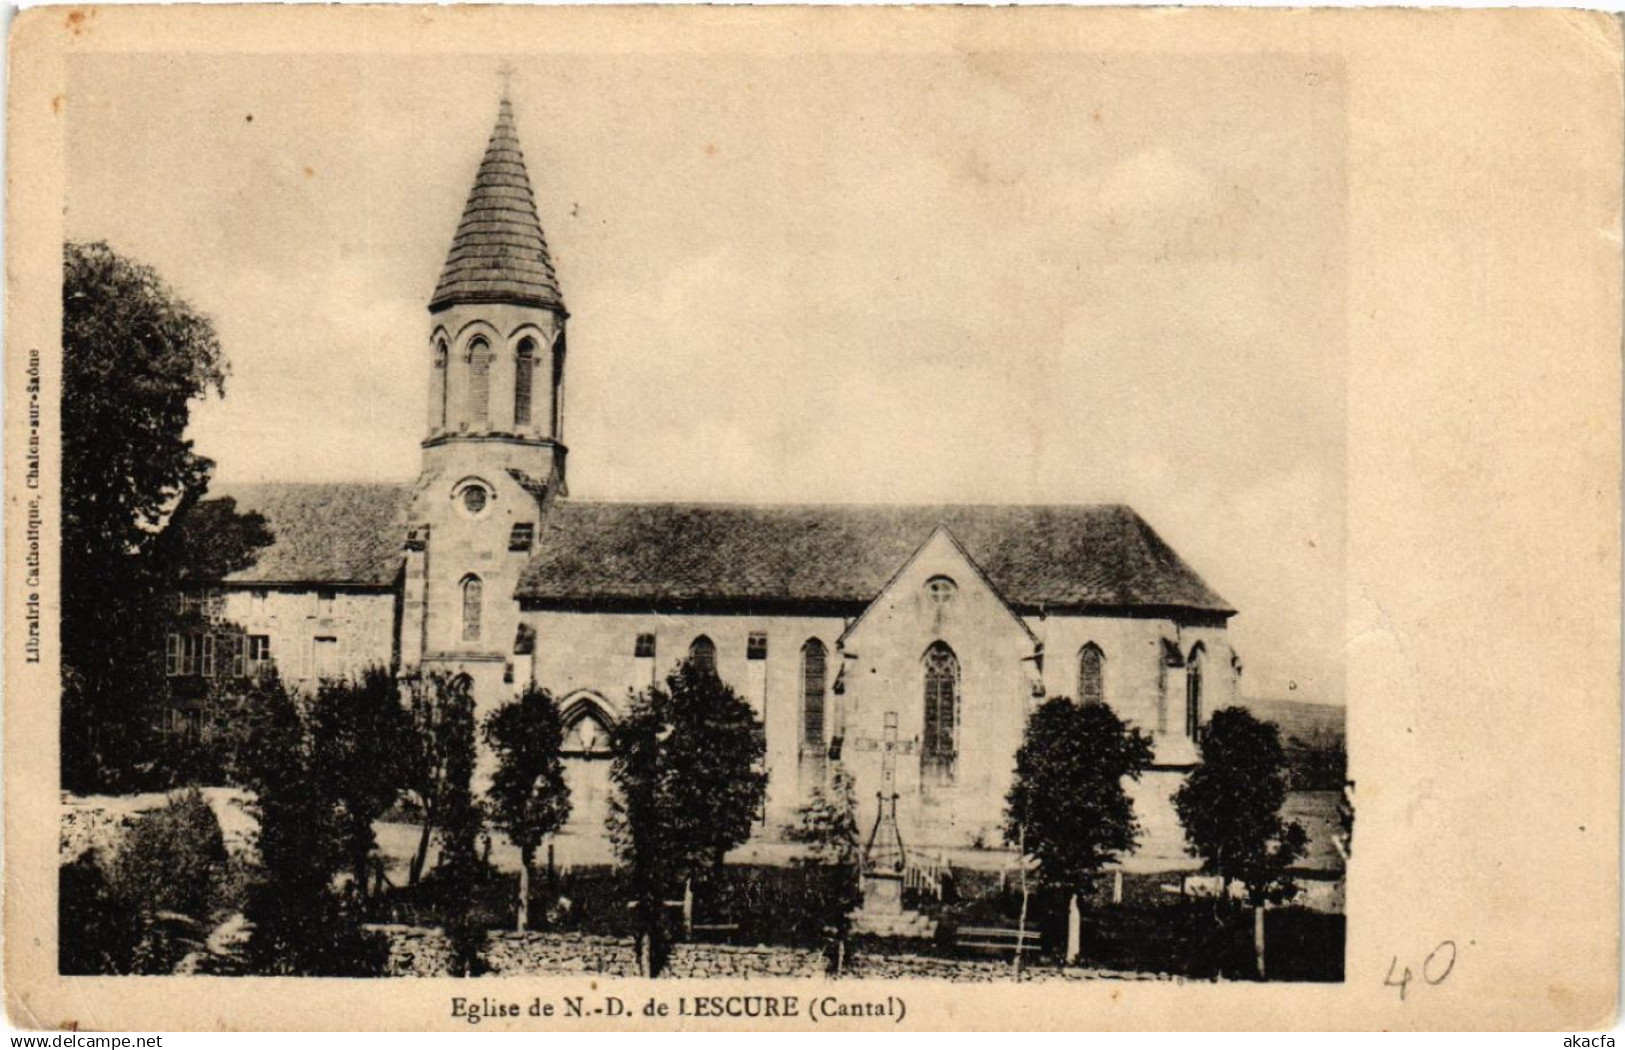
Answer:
x=904 y=641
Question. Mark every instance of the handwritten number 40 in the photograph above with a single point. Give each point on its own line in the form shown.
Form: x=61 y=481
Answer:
x=1435 y=968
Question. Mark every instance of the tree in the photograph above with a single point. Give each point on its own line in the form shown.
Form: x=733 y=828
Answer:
x=357 y=728
x=1068 y=807
x=689 y=787
x=528 y=797
x=828 y=826
x=297 y=841
x=1230 y=806
x=300 y=926
x=438 y=752
x=134 y=358
x=207 y=540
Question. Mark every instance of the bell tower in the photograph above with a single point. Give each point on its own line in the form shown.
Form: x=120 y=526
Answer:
x=493 y=451
x=497 y=330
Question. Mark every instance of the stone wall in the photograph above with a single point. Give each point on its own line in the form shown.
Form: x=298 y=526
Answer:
x=361 y=623
x=421 y=952
x=102 y=822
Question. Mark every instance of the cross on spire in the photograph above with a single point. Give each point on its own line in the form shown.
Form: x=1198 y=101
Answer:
x=506 y=72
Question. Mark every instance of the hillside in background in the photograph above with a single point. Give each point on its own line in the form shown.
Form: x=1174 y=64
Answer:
x=1299 y=718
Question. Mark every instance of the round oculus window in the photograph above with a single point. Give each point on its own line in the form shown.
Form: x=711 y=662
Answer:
x=475 y=498
x=941 y=589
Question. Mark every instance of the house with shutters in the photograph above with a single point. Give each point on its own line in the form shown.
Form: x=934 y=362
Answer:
x=904 y=643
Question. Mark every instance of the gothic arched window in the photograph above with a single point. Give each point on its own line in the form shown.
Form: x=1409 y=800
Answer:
x=814 y=673
x=586 y=730
x=523 y=371
x=1091 y=674
x=441 y=382
x=1193 y=692
x=479 y=385
x=473 y=595
x=941 y=702
x=702 y=655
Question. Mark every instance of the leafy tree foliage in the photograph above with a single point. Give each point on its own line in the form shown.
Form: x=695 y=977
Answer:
x=358 y=727
x=174 y=857
x=1317 y=761
x=206 y=540
x=1068 y=807
x=1230 y=806
x=689 y=787
x=300 y=925
x=828 y=826
x=142 y=910
x=528 y=797
x=438 y=752
x=134 y=358
x=97 y=929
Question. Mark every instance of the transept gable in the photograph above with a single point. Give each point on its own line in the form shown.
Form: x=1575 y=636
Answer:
x=939 y=592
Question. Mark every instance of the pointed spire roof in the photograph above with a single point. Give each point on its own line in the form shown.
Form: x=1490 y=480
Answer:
x=499 y=254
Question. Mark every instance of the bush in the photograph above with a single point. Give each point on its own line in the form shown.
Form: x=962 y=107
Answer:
x=1317 y=762
x=113 y=924
x=1303 y=945
x=312 y=935
x=1188 y=937
x=174 y=858
x=96 y=931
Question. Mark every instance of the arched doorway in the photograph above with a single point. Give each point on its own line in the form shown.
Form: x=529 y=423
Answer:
x=586 y=754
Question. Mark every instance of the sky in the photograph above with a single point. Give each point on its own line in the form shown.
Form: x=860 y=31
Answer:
x=970 y=278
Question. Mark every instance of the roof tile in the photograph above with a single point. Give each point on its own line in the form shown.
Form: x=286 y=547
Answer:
x=1103 y=556
x=1096 y=556
x=326 y=533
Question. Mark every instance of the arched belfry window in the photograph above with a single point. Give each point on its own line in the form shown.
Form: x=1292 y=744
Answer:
x=473 y=607
x=814 y=676
x=1091 y=675
x=702 y=655
x=441 y=382
x=556 y=389
x=524 y=370
x=1193 y=691
x=479 y=385
x=941 y=741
